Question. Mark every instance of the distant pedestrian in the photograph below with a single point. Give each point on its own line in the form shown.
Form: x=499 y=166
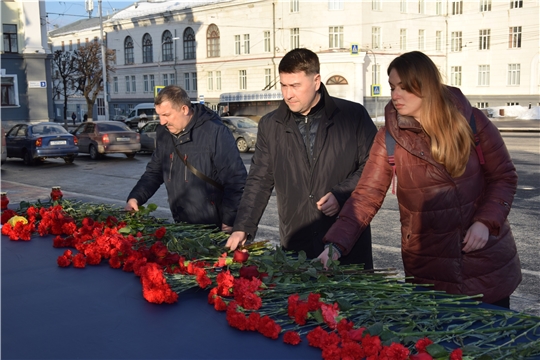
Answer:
x=85 y=118
x=74 y=117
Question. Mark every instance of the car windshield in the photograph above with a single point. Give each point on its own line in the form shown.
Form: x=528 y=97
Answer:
x=244 y=123
x=42 y=129
x=113 y=127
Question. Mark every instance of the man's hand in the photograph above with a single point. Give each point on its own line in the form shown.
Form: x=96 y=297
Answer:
x=237 y=238
x=328 y=204
x=226 y=228
x=324 y=256
x=476 y=237
x=132 y=205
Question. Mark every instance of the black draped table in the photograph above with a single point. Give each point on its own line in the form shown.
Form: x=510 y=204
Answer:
x=49 y=312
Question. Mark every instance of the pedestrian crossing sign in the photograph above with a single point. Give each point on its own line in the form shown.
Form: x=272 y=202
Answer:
x=355 y=49
x=376 y=90
x=157 y=89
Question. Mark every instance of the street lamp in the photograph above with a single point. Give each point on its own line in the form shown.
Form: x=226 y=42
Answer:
x=103 y=64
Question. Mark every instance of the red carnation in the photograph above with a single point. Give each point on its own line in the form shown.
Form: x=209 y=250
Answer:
x=316 y=337
x=79 y=261
x=457 y=354
x=160 y=233
x=219 y=304
x=269 y=328
x=352 y=350
x=421 y=356
x=395 y=351
x=249 y=272
x=63 y=261
x=371 y=344
x=253 y=321
x=292 y=337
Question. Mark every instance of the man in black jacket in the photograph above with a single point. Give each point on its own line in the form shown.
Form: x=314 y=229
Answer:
x=312 y=150
x=197 y=159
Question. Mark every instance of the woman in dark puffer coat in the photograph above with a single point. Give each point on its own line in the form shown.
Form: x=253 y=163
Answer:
x=453 y=203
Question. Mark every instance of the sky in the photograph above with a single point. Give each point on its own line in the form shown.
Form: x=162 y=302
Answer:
x=66 y=12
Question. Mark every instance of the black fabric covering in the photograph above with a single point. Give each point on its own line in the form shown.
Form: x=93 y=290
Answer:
x=98 y=312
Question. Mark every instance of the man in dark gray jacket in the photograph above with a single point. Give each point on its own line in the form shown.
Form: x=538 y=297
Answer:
x=197 y=159
x=312 y=150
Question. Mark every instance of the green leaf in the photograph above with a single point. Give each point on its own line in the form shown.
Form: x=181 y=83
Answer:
x=344 y=304
x=437 y=351
x=152 y=207
x=125 y=230
x=302 y=257
x=318 y=316
x=375 y=329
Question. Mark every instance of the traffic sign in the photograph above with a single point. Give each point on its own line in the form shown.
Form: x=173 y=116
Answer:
x=201 y=99
x=376 y=90
x=157 y=89
x=355 y=49
x=42 y=84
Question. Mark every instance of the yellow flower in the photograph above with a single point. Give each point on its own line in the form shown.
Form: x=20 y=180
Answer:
x=14 y=220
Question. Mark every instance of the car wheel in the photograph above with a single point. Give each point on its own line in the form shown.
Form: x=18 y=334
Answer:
x=94 y=155
x=27 y=158
x=242 y=145
x=130 y=155
x=69 y=159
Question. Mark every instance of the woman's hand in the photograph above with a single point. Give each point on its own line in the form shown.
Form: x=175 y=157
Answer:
x=476 y=237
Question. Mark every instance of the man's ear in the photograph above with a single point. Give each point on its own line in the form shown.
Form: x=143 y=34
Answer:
x=317 y=80
x=185 y=109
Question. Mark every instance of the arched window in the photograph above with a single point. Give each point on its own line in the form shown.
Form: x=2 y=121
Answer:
x=167 y=46
x=337 y=80
x=189 y=44
x=147 y=49
x=128 y=51
x=212 y=41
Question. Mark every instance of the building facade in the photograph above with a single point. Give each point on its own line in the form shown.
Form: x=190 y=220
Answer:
x=490 y=49
x=25 y=63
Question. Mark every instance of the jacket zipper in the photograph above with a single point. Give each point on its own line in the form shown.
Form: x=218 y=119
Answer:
x=185 y=168
x=170 y=169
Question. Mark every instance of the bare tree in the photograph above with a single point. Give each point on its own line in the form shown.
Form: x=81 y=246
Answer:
x=65 y=77
x=90 y=81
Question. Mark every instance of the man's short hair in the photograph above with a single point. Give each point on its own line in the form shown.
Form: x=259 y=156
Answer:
x=177 y=96
x=299 y=60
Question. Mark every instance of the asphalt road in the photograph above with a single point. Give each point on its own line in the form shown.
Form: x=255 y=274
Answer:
x=109 y=180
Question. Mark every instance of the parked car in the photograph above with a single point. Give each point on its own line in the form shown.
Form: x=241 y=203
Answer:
x=244 y=131
x=148 y=136
x=145 y=112
x=98 y=138
x=121 y=118
x=4 y=151
x=41 y=141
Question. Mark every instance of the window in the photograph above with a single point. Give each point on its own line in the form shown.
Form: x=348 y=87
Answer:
x=10 y=43
x=421 y=6
x=483 y=75
x=147 y=49
x=115 y=84
x=167 y=46
x=335 y=4
x=242 y=77
x=438 y=7
x=403 y=6
x=514 y=38
x=512 y=103
x=456 y=41
x=402 y=39
x=295 y=5
x=246 y=44
x=189 y=44
x=152 y=83
x=145 y=83
x=114 y=56
x=438 y=40
x=513 y=74
x=335 y=37
x=267 y=46
x=376 y=5
x=212 y=41
x=455 y=75
x=421 y=39
x=186 y=81
x=194 y=79
x=267 y=78
x=295 y=38
x=236 y=44
x=70 y=48
x=128 y=85
x=485 y=5
x=210 y=76
x=218 y=80
x=63 y=47
x=375 y=37
x=172 y=79
x=100 y=106
x=128 y=51
x=482 y=105
x=457 y=7
x=165 y=81
x=133 y=84
x=78 y=43
x=516 y=4
x=485 y=36
x=10 y=91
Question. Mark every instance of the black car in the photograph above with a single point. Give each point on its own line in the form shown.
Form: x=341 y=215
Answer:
x=32 y=142
x=244 y=131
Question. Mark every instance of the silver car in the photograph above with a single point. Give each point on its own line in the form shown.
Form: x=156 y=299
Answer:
x=244 y=131
x=148 y=136
x=98 y=138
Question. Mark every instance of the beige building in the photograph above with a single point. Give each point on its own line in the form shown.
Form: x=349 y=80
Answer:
x=490 y=49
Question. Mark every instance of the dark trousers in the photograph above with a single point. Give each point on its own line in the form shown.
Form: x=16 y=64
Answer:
x=361 y=252
x=505 y=303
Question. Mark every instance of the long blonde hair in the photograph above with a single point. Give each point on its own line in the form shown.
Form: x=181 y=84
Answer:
x=450 y=133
